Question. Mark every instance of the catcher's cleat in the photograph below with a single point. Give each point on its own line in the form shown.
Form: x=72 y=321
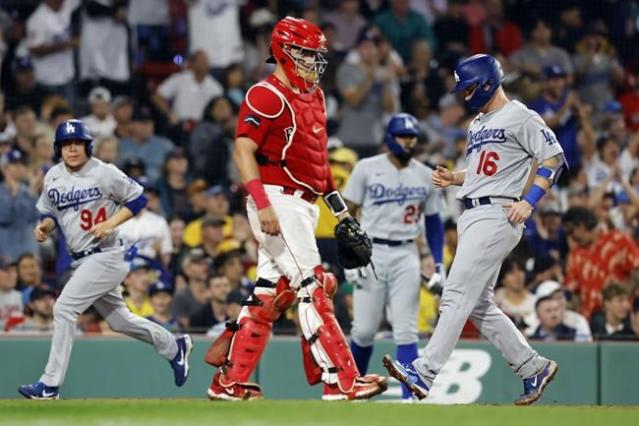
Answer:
x=407 y=374
x=180 y=364
x=39 y=390
x=364 y=388
x=534 y=386
x=233 y=391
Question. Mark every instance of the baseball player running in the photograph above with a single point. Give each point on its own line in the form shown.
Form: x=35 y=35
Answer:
x=503 y=140
x=393 y=193
x=87 y=199
x=280 y=152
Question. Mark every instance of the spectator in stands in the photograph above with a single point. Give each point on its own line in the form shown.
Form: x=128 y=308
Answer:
x=210 y=142
x=6 y=127
x=215 y=29
x=495 y=33
x=25 y=90
x=215 y=311
x=512 y=296
x=450 y=242
x=161 y=295
x=106 y=149
x=629 y=99
x=25 y=122
x=634 y=318
x=216 y=206
x=51 y=46
x=212 y=235
x=402 y=26
x=39 y=317
x=41 y=158
x=234 y=304
x=539 y=53
x=421 y=86
x=229 y=264
x=235 y=84
x=29 y=272
x=451 y=30
x=570 y=28
x=547 y=236
x=105 y=20
x=348 y=23
x=101 y=122
x=134 y=167
x=176 y=226
x=614 y=322
x=256 y=48
x=443 y=127
x=551 y=326
x=545 y=268
x=569 y=317
x=149 y=231
x=144 y=143
x=194 y=293
x=173 y=186
x=137 y=284
x=123 y=108
x=597 y=68
x=183 y=96
x=368 y=90
x=10 y=299
x=562 y=111
x=18 y=214
x=597 y=258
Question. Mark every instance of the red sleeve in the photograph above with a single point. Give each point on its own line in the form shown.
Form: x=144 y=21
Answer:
x=258 y=110
x=572 y=272
x=632 y=254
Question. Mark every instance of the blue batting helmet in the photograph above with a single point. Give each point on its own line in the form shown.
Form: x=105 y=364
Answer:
x=401 y=125
x=482 y=71
x=72 y=130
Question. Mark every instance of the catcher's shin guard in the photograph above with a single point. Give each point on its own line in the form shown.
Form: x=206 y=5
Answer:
x=240 y=347
x=324 y=347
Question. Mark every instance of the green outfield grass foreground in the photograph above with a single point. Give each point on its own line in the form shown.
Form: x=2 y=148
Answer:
x=187 y=412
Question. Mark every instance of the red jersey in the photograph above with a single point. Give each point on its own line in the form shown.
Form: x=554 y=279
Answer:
x=611 y=258
x=290 y=131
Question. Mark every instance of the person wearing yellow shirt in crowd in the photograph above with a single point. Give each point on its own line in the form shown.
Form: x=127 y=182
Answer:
x=450 y=242
x=137 y=284
x=341 y=160
x=216 y=205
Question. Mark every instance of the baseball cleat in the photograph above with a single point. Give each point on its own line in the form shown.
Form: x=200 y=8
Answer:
x=534 y=386
x=180 y=364
x=364 y=387
x=39 y=391
x=233 y=391
x=407 y=374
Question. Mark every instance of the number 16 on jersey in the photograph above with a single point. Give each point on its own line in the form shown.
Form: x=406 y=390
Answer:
x=487 y=163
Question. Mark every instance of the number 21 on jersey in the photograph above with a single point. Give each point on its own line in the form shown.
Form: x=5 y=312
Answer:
x=487 y=163
x=87 y=219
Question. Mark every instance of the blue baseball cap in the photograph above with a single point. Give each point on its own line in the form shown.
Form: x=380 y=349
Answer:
x=11 y=157
x=139 y=263
x=613 y=107
x=553 y=71
x=216 y=190
x=160 y=286
x=22 y=63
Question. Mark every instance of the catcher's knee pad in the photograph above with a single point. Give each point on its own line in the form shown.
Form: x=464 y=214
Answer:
x=327 y=356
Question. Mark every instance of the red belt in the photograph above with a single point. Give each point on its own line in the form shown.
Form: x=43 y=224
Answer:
x=306 y=195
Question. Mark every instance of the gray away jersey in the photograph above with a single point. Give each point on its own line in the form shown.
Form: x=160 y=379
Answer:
x=81 y=199
x=500 y=149
x=393 y=201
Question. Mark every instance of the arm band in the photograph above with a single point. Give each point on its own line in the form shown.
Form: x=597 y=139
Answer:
x=435 y=236
x=535 y=194
x=336 y=203
x=256 y=189
x=137 y=204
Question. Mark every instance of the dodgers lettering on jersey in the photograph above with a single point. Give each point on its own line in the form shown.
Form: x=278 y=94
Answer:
x=393 y=201
x=79 y=200
x=500 y=149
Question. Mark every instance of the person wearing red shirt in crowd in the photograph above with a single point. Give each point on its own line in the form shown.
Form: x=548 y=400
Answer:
x=280 y=152
x=597 y=259
x=629 y=99
x=495 y=33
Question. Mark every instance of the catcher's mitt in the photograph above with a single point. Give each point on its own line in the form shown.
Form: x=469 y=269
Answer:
x=354 y=248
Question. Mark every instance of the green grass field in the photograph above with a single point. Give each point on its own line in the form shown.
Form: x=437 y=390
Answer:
x=189 y=412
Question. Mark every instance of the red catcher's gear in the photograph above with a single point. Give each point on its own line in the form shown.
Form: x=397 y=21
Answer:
x=290 y=131
x=299 y=46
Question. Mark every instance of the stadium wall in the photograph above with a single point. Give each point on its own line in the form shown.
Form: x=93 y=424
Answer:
x=121 y=368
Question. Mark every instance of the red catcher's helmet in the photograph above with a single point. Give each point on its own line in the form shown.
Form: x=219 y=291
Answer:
x=299 y=46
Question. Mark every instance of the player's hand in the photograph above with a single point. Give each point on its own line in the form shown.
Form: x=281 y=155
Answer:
x=102 y=229
x=442 y=177
x=40 y=233
x=269 y=222
x=519 y=212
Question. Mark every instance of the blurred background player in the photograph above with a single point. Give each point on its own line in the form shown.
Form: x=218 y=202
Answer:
x=392 y=193
x=280 y=152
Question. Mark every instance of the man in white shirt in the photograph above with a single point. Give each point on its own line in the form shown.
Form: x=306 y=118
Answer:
x=100 y=122
x=51 y=45
x=183 y=96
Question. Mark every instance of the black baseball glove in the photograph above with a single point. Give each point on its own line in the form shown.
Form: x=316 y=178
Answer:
x=354 y=248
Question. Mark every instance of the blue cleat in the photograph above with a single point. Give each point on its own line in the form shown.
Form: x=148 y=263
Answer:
x=39 y=391
x=534 y=386
x=406 y=374
x=180 y=364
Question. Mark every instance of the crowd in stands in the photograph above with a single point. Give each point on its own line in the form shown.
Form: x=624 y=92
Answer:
x=159 y=83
